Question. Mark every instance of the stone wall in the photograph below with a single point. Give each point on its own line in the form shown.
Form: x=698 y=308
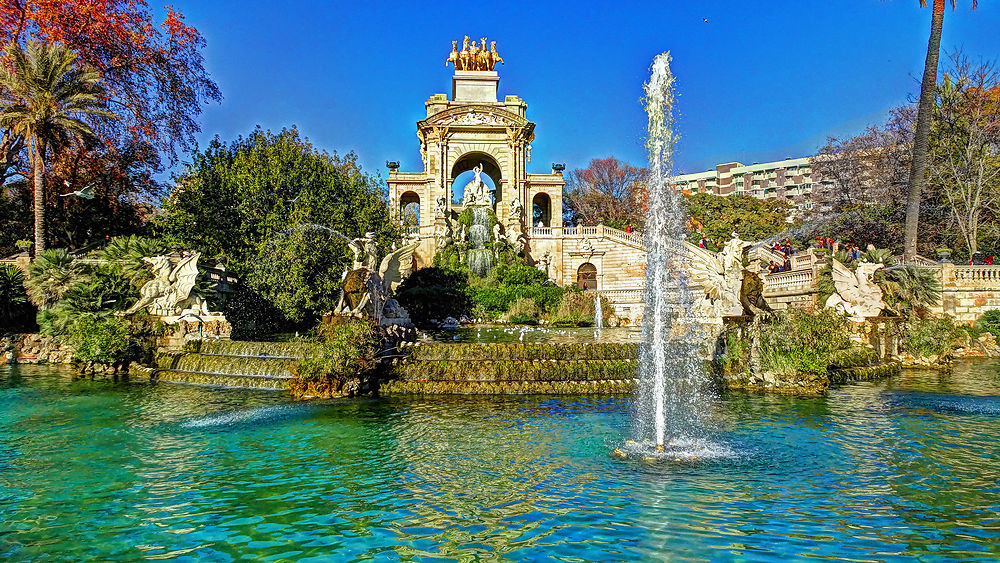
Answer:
x=966 y=291
x=512 y=369
x=34 y=349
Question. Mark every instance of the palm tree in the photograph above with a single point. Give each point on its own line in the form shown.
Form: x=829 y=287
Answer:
x=45 y=98
x=925 y=109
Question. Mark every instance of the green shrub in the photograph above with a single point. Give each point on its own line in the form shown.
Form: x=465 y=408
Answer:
x=990 y=322
x=522 y=319
x=571 y=321
x=909 y=290
x=346 y=350
x=102 y=339
x=933 y=336
x=434 y=293
x=129 y=252
x=524 y=307
x=51 y=276
x=518 y=273
x=15 y=311
x=576 y=304
x=803 y=341
x=497 y=300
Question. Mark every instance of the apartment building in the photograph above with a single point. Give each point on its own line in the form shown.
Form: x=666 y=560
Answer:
x=791 y=179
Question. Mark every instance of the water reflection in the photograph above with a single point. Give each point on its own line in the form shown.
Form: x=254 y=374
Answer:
x=873 y=471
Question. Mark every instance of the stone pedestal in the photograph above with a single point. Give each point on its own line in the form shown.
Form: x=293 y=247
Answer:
x=475 y=86
x=188 y=327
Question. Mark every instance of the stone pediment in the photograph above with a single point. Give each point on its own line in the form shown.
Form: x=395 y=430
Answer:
x=475 y=116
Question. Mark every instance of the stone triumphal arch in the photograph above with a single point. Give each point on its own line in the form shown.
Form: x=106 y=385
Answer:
x=475 y=131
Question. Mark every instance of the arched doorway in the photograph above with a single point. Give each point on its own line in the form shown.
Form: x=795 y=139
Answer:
x=586 y=276
x=461 y=173
x=541 y=210
x=409 y=209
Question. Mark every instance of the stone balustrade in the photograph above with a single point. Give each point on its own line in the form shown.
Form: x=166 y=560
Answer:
x=592 y=231
x=783 y=282
x=976 y=276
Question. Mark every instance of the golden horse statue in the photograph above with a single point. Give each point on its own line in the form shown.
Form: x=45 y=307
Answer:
x=463 y=57
x=494 y=56
x=453 y=56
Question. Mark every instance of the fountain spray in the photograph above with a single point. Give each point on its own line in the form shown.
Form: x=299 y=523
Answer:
x=671 y=378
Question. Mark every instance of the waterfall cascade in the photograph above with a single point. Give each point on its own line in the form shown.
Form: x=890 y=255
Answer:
x=227 y=363
x=479 y=257
x=598 y=313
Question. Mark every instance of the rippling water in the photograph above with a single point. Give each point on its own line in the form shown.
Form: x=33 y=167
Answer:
x=95 y=471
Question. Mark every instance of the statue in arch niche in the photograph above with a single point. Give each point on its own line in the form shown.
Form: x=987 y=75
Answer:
x=476 y=191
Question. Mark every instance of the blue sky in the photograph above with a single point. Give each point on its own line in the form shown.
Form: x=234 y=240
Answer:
x=760 y=81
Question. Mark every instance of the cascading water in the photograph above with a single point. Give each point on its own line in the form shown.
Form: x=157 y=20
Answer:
x=672 y=391
x=598 y=313
x=480 y=258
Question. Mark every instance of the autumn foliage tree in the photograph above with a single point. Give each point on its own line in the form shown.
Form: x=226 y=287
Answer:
x=608 y=191
x=152 y=70
x=154 y=73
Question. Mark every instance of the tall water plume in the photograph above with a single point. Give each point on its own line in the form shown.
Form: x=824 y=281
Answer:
x=672 y=380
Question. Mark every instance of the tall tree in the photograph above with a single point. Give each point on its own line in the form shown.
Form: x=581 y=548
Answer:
x=268 y=203
x=46 y=99
x=925 y=108
x=607 y=191
x=964 y=163
x=153 y=73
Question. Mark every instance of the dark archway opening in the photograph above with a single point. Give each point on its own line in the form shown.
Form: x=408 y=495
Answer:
x=541 y=210
x=586 y=276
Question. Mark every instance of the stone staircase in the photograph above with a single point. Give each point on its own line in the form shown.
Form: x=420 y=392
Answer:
x=231 y=364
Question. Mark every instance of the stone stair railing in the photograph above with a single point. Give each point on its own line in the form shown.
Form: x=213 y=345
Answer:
x=786 y=282
x=977 y=276
x=633 y=239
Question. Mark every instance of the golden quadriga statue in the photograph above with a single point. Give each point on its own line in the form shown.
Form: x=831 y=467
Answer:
x=473 y=56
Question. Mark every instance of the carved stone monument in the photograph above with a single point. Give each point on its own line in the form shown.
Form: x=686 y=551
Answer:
x=721 y=277
x=170 y=296
x=857 y=294
x=367 y=293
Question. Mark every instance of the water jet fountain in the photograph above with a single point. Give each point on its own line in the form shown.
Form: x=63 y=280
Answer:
x=672 y=395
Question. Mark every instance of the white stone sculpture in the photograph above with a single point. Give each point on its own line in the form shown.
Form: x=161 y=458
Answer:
x=365 y=248
x=444 y=233
x=441 y=207
x=720 y=275
x=516 y=211
x=543 y=262
x=368 y=293
x=857 y=294
x=476 y=192
x=169 y=293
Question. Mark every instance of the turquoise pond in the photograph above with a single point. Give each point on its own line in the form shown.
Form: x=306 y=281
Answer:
x=902 y=468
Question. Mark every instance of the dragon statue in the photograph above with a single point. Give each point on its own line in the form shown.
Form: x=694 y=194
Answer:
x=368 y=293
x=857 y=294
x=169 y=293
x=720 y=275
